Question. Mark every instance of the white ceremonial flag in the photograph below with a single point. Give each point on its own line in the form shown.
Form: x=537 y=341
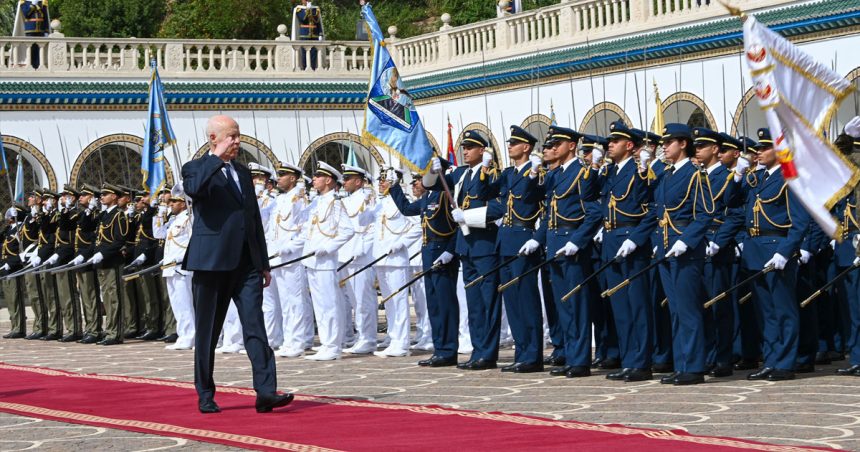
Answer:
x=799 y=97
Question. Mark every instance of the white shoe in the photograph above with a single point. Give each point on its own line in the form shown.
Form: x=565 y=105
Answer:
x=392 y=352
x=228 y=349
x=316 y=348
x=243 y=352
x=425 y=346
x=178 y=346
x=289 y=352
x=361 y=349
x=324 y=355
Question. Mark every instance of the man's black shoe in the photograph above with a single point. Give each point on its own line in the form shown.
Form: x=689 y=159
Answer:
x=111 y=341
x=807 y=368
x=663 y=368
x=149 y=336
x=438 y=361
x=481 y=364
x=853 y=370
x=596 y=362
x=132 y=335
x=464 y=365
x=609 y=364
x=688 y=378
x=509 y=367
x=34 y=335
x=578 y=372
x=746 y=364
x=527 y=368
x=638 y=375
x=208 y=406
x=266 y=404
x=618 y=376
x=169 y=339
x=780 y=375
x=823 y=358
x=554 y=361
x=722 y=371
x=50 y=337
x=89 y=339
x=70 y=338
x=669 y=379
x=559 y=371
x=760 y=374
x=14 y=336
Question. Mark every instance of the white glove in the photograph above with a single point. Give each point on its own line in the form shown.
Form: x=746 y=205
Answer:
x=53 y=259
x=396 y=247
x=677 y=249
x=153 y=202
x=458 y=216
x=853 y=127
x=805 y=256
x=258 y=189
x=598 y=238
x=23 y=257
x=529 y=247
x=644 y=158
x=93 y=203
x=777 y=261
x=436 y=165
x=833 y=245
x=741 y=247
x=741 y=168
x=856 y=262
x=712 y=249
x=486 y=159
x=139 y=260
x=5 y=267
x=162 y=211
x=738 y=250
x=34 y=210
x=569 y=249
x=536 y=163
x=391 y=176
x=35 y=260
x=626 y=248
x=49 y=204
x=129 y=211
x=78 y=260
x=596 y=157
x=444 y=258
x=96 y=259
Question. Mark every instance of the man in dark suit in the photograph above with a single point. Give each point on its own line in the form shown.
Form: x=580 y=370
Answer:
x=228 y=256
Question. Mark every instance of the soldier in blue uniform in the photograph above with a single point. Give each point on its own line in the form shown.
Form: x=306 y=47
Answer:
x=36 y=23
x=606 y=353
x=848 y=288
x=518 y=207
x=473 y=187
x=683 y=203
x=627 y=228
x=556 y=335
x=776 y=223
x=571 y=223
x=440 y=285
x=307 y=26
x=720 y=251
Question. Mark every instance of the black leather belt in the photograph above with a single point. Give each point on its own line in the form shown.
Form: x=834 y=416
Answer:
x=681 y=223
x=436 y=238
x=768 y=233
x=521 y=223
x=567 y=224
x=620 y=224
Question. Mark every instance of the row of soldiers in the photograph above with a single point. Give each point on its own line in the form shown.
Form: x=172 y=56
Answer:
x=611 y=245
x=65 y=253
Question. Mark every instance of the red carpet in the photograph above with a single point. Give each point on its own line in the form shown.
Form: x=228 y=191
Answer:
x=312 y=423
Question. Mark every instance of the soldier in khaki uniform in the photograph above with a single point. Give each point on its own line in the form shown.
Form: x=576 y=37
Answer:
x=107 y=260
x=87 y=222
x=29 y=242
x=64 y=251
x=149 y=303
x=133 y=309
x=44 y=251
x=10 y=262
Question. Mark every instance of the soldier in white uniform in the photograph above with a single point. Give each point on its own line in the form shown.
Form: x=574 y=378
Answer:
x=358 y=252
x=265 y=198
x=286 y=244
x=328 y=229
x=176 y=233
x=395 y=232
x=423 y=339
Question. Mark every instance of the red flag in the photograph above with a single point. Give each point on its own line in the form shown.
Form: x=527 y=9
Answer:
x=452 y=156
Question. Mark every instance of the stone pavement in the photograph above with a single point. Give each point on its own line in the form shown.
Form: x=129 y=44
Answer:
x=820 y=409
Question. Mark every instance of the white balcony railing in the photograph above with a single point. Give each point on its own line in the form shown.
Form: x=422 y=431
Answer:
x=571 y=22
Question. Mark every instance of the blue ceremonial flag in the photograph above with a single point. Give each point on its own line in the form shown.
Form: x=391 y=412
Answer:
x=390 y=119
x=159 y=134
x=19 y=180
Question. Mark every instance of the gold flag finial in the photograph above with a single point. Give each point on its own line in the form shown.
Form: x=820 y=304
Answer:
x=733 y=10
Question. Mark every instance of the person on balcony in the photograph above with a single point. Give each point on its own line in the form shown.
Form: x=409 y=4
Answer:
x=31 y=20
x=307 y=26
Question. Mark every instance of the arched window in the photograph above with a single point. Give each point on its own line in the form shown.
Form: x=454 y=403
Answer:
x=748 y=117
x=114 y=159
x=250 y=150
x=37 y=172
x=537 y=125
x=598 y=119
x=687 y=108
x=491 y=139
x=335 y=149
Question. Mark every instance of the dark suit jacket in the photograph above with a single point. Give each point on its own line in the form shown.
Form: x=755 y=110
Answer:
x=224 y=220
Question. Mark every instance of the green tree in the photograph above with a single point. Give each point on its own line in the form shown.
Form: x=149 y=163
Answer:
x=110 y=18
x=225 y=19
x=7 y=16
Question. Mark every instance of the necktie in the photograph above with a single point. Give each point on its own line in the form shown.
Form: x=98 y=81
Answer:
x=462 y=195
x=232 y=176
x=766 y=175
x=671 y=170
